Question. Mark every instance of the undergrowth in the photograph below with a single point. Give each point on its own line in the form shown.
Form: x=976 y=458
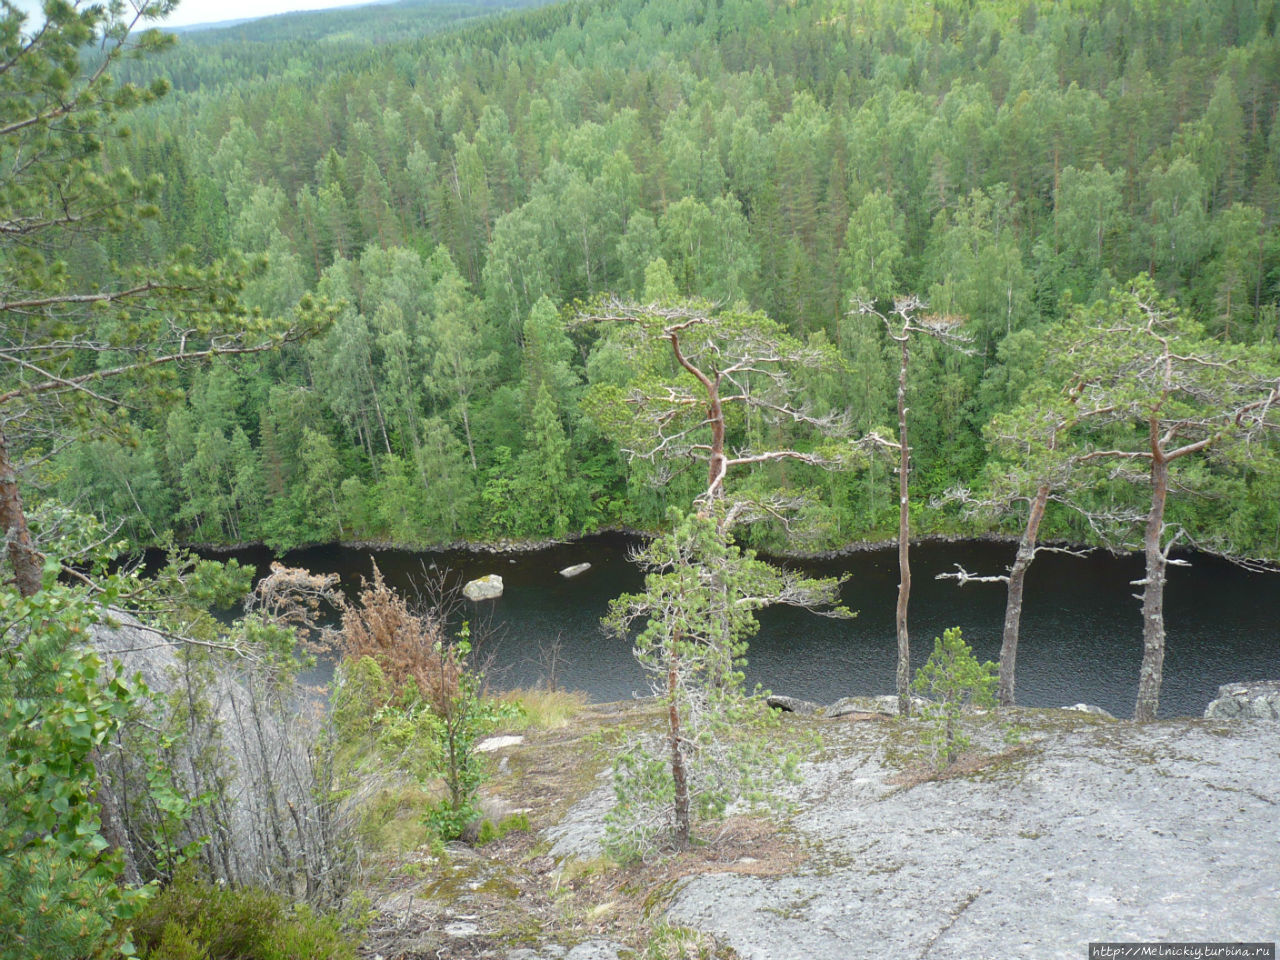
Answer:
x=193 y=920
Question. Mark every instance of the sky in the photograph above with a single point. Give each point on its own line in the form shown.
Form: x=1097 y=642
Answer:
x=212 y=11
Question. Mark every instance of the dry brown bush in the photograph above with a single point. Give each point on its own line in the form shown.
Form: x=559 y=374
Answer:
x=409 y=646
x=292 y=597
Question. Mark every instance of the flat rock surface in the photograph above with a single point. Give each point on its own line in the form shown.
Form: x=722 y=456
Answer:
x=1098 y=831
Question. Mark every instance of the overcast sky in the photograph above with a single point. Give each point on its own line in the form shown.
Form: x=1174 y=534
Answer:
x=212 y=11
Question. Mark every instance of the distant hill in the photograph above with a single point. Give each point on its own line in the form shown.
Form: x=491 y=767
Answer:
x=378 y=20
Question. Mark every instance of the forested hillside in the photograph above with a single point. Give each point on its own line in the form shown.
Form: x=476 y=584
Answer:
x=460 y=186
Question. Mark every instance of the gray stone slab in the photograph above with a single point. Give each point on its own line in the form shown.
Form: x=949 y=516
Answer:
x=1111 y=832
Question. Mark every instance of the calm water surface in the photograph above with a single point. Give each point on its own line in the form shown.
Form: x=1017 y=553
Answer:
x=1081 y=627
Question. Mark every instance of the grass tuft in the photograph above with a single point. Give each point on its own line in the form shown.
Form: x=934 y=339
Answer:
x=544 y=709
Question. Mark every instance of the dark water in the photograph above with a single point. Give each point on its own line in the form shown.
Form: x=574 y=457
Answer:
x=1081 y=628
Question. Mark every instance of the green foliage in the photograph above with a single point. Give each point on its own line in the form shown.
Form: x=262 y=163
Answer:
x=489 y=831
x=955 y=684
x=428 y=730
x=193 y=920
x=464 y=187
x=463 y=718
x=698 y=607
x=60 y=889
x=667 y=942
x=736 y=754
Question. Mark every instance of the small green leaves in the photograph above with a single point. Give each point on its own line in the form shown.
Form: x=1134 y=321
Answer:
x=955 y=684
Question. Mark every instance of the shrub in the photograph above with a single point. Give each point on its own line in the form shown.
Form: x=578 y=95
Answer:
x=191 y=920
x=411 y=647
x=955 y=684
x=490 y=831
x=60 y=879
x=425 y=698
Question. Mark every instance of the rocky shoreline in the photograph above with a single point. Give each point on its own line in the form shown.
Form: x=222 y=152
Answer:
x=516 y=546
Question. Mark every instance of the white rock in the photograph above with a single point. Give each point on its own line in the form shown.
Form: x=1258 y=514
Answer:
x=574 y=570
x=1089 y=708
x=491 y=744
x=484 y=588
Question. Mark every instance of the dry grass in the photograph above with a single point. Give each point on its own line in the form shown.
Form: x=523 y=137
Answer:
x=968 y=764
x=544 y=709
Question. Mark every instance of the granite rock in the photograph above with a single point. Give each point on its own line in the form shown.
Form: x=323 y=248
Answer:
x=1259 y=700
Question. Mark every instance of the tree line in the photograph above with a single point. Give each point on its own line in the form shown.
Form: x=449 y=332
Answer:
x=460 y=187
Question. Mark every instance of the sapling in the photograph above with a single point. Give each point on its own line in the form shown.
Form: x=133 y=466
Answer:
x=955 y=684
x=698 y=610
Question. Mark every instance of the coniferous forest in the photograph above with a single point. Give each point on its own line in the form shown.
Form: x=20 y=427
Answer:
x=458 y=188
x=420 y=273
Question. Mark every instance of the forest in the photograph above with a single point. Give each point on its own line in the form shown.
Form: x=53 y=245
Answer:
x=424 y=273
x=457 y=189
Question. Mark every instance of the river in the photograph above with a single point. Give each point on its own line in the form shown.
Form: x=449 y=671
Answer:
x=1081 y=628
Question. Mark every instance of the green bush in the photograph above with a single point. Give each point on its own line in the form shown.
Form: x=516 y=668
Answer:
x=955 y=684
x=192 y=920
x=490 y=831
x=60 y=889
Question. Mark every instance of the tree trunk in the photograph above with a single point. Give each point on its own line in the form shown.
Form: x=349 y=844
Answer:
x=466 y=428
x=679 y=773
x=113 y=828
x=1152 y=674
x=1013 y=606
x=26 y=560
x=904 y=540
x=716 y=462
x=377 y=409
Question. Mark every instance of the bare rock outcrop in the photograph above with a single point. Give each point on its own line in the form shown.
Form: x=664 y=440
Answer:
x=1259 y=700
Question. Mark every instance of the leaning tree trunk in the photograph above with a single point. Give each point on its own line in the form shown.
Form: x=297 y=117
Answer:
x=1152 y=674
x=1013 y=605
x=904 y=541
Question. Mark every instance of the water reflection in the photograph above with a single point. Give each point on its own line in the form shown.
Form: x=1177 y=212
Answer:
x=1081 y=633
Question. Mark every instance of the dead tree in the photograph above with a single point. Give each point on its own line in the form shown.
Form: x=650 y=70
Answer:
x=905 y=320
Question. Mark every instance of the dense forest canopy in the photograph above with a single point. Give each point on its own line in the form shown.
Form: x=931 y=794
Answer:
x=460 y=184
x=418 y=272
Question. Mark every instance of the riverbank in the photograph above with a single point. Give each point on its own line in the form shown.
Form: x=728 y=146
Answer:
x=1090 y=830
x=517 y=546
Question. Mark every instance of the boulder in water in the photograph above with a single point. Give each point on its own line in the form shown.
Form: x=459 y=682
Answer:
x=485 y=588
